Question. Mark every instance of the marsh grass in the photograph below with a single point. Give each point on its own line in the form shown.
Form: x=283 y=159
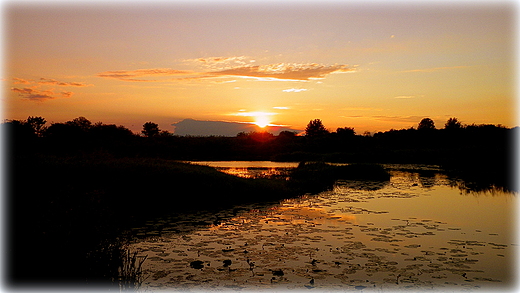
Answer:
x=130 y=271
x=112 y=264
x=319 y=176
x=69 y=205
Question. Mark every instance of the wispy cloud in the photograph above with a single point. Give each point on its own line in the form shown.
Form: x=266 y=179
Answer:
x=352 y=116
x=39 y=95
x=39 y=89
x=414 y=119
x=20 y=81
x=252 y=114
x=132 y=75
x=61 y=83
x=236 y=67
x=293 y=90
x=285 y=71
x=220 y=63
x=409 y=97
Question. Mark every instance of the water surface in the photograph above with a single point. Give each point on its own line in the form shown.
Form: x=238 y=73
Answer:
x=414 y=232
x=251 y=169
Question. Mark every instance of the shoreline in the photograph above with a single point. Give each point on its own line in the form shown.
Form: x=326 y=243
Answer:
x=73 y=204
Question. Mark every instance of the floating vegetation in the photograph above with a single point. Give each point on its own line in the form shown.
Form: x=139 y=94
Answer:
x=336 y=240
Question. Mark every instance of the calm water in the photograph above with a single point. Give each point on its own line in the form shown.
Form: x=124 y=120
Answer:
x=251 y=169
x=413 y=233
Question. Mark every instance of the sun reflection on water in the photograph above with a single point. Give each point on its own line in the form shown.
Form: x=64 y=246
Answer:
x=362 y=235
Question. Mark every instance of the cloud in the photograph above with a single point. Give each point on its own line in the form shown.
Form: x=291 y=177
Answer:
x=414 y=119
x=67 y=94
x=252 y=114
x=60 y=83
x=352 y=116
x=48 y=81
x=285 y=71
x=211 y=61
x=293 y=90
x=21 y=81
x=131 y=75
x=40 y=91
x=38 y=95
x=233 y=67
x=409 y=97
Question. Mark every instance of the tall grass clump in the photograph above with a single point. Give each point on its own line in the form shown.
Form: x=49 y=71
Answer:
x=113 y=265
x=130 y=271
x=318 y=176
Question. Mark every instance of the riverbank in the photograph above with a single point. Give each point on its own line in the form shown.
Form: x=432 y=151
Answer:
x=64 y=213
x=62 y=208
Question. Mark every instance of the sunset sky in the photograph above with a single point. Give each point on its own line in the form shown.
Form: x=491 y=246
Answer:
x=368 y=65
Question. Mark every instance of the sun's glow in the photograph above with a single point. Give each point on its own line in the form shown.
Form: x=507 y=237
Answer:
x=262 y=121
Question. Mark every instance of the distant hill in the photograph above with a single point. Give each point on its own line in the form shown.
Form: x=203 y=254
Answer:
x=222 y=128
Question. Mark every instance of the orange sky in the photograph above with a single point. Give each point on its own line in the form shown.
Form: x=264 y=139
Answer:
x=368 y=65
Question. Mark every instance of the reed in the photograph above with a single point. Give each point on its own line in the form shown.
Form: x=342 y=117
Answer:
x=130 y=271
x=318 y=176
x=113 y=265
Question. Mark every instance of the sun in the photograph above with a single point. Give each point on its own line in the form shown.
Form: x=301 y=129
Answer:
x=262 y=121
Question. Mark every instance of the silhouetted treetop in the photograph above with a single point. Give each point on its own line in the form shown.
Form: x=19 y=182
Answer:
x=315 y=128
x=452 y=124
x=346 y=131
x=81 y=122
x=110 y=131
x=287 y=134
x=150 y=129
x=37 y=124
x=426 y=124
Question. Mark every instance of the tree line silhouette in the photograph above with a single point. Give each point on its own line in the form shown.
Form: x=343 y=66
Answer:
x=470 y=149
x=422 y=144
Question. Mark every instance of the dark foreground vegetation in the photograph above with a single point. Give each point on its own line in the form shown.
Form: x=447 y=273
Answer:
x=74 y=186
x=61 y=208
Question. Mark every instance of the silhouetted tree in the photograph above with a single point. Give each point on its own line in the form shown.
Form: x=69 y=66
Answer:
x=165 y=133
x=103 y=132
x=64 y=131
x=150 y=129
x=37 y=124
x=315 y=128
x=17 y=131
x=426 y=124
x=286 y=134
x=81 y=122
x=346 y=132
x=452 y=124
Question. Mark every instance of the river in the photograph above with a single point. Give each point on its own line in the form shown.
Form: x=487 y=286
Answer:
x=416 y=232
